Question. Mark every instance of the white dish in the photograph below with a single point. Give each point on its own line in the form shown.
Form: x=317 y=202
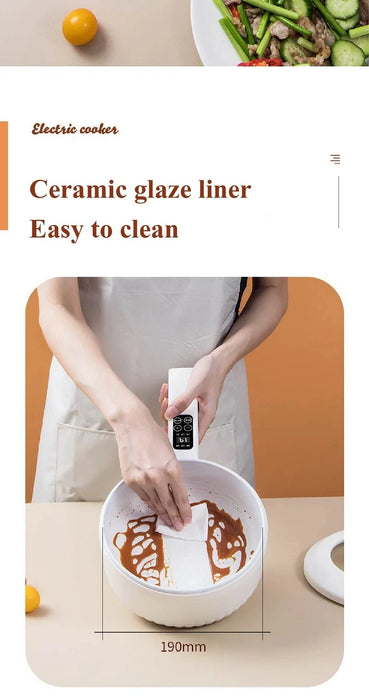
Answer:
x=213 y=46
x=320 y=570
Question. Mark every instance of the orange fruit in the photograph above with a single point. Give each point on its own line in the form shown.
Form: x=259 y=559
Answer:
x=32 y=599
x=79 y=27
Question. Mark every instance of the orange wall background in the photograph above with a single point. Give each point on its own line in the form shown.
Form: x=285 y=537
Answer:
x=295 y=387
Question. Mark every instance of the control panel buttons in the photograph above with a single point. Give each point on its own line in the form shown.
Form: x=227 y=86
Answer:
x=183 y=432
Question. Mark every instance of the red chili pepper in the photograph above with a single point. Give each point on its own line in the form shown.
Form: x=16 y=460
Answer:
x=263 y=62
x=234 y=11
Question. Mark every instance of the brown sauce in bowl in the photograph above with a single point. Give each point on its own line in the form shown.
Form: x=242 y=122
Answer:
x=142 y=551
x=226 y=541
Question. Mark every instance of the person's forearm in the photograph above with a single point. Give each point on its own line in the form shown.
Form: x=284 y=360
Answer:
x=262 y=313
x=147 y=461
x=77 y=349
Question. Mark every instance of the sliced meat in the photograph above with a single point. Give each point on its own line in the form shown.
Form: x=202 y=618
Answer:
x=321 y=29
x=323 y=53
x=330 y=38
x=253 y=11
x=253 y=49
x=321 y=37
x=274 y=47
x=255 y=24
x=239 y=26
x=279 y=30
x=296 y=55
x=364 y=11
x=308 y=24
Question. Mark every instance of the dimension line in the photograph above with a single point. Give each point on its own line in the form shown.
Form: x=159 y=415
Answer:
x=262 y=584
x=181 y=631
x=338 y=201
x=102 y=583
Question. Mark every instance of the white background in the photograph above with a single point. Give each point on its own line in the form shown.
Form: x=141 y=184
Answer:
x=272 y=129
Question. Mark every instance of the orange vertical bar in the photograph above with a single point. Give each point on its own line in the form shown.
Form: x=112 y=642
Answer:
x=3 y=176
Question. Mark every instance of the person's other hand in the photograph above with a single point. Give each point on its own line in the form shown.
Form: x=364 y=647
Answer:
x=150 y=468
x=205 y=385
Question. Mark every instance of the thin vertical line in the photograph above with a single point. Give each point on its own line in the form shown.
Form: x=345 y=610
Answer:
x=338 y=201
x=4 y=176
x=102 y=584
x=262 y=584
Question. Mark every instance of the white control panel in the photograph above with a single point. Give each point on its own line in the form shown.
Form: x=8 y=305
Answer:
x=183 y=430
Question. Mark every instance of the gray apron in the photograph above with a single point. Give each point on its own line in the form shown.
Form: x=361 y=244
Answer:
x=145 y=326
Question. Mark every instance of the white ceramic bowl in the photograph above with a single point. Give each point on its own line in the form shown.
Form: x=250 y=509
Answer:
x=181 y=608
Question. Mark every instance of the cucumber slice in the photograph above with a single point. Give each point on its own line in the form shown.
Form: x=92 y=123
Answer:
x=345 y=53
x=363 y=43
x=349 y=23
x=304 y=8
x=342 y=9
x=285 y=51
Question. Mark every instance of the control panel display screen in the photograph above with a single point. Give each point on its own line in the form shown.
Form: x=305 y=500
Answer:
x=183 y=432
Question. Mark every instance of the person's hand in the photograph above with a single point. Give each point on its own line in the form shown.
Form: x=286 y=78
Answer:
x=205 y=385
x=150 y=468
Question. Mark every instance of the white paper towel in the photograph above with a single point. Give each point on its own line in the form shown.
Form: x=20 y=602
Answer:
x=196 y=530
x=185 y=552
x=187 y=564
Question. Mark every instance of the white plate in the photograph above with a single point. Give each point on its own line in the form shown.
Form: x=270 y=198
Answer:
x=321 y=571
x=212 y=44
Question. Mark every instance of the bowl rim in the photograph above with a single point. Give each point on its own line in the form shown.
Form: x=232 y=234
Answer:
x=228 y=580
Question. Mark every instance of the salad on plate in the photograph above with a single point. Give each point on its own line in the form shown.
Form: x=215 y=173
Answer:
x=297 y=32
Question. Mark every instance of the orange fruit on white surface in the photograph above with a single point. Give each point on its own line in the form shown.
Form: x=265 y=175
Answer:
x=80 y=26
x=32 y=599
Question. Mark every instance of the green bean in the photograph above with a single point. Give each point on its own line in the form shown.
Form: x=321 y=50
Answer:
x=263 y=24
x=306 y=44
x=359 y=31
x=225 y=11
x=264 y=43
x=268 y=7
x=245 y=21
x=235 y=38
x=292 y=25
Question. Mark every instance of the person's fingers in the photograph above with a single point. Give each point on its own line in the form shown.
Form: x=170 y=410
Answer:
x=207 y=412
x=180 y=495
x=153 y=501
x=144 y=496
x=153 y=487
x=159 y=507
x=164 y=406
x=167 y=500
x=163 y=392
x=180 y=404
x=164 y=489
x=204 y=422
